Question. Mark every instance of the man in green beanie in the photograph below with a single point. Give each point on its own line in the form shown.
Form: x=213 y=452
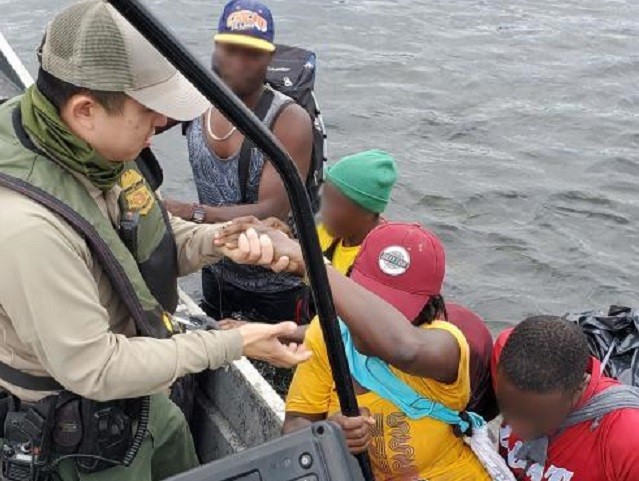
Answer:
x=356 y=193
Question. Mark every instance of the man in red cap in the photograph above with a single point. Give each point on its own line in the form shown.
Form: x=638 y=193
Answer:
x=407 y=335
x=305 y=405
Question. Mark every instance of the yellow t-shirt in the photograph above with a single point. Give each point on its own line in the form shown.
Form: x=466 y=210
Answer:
x=402 y=449
x=343 y=257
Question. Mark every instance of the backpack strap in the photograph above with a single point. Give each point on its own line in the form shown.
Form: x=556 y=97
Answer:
x=150 y=168
x=615 y=397
x=329 y=253
x=244 y=161
x=280 y=109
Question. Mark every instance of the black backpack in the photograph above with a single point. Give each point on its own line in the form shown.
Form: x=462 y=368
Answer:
x=292 y=72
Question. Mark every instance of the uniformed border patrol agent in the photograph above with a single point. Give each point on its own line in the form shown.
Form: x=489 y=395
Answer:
x=89 y=260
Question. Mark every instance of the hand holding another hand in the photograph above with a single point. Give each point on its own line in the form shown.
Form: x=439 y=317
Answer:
x=249 y=241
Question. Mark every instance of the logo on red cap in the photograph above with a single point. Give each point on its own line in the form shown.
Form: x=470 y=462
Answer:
x=394 y=261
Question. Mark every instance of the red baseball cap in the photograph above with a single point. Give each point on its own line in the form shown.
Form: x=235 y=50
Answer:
x=402 y=263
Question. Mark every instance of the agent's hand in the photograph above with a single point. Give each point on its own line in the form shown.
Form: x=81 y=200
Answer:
x=179 y=209
x=261 y=341
x=271 y=248
x=357 y=430
x=251 y=248
x=227 y=324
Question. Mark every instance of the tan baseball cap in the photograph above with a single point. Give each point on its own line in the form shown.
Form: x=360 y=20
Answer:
x=91 y=45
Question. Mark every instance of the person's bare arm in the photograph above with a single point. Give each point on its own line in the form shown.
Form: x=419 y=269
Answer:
x=298 y=335
x=294 y=131
x=432 y=353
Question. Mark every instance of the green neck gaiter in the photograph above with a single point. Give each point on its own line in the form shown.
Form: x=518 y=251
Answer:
x=42 y=122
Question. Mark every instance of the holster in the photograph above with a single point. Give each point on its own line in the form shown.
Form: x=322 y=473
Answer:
x=107 y=432
x=97 y=435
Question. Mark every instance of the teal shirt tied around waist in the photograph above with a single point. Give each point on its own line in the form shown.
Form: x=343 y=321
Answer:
x=376 y=375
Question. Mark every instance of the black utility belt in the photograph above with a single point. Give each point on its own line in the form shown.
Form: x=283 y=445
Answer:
x=95 y=435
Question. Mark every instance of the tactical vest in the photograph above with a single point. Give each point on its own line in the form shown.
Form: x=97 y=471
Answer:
x=140 y=259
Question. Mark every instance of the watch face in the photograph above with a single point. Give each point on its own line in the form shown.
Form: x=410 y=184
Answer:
x=199 y=215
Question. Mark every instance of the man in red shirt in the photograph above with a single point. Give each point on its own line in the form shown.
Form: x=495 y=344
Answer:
x=544 y=372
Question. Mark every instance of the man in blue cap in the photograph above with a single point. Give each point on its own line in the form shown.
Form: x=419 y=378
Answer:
x=233 y=178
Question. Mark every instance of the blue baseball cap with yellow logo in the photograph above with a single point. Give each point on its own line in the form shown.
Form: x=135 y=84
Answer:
x=247 y=23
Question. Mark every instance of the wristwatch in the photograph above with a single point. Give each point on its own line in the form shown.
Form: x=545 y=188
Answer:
x=199 y=214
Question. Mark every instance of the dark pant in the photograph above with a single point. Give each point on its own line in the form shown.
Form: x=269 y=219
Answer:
x=223 y=300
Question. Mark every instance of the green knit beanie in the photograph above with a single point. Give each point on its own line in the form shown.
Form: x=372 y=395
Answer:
x=366 y=178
